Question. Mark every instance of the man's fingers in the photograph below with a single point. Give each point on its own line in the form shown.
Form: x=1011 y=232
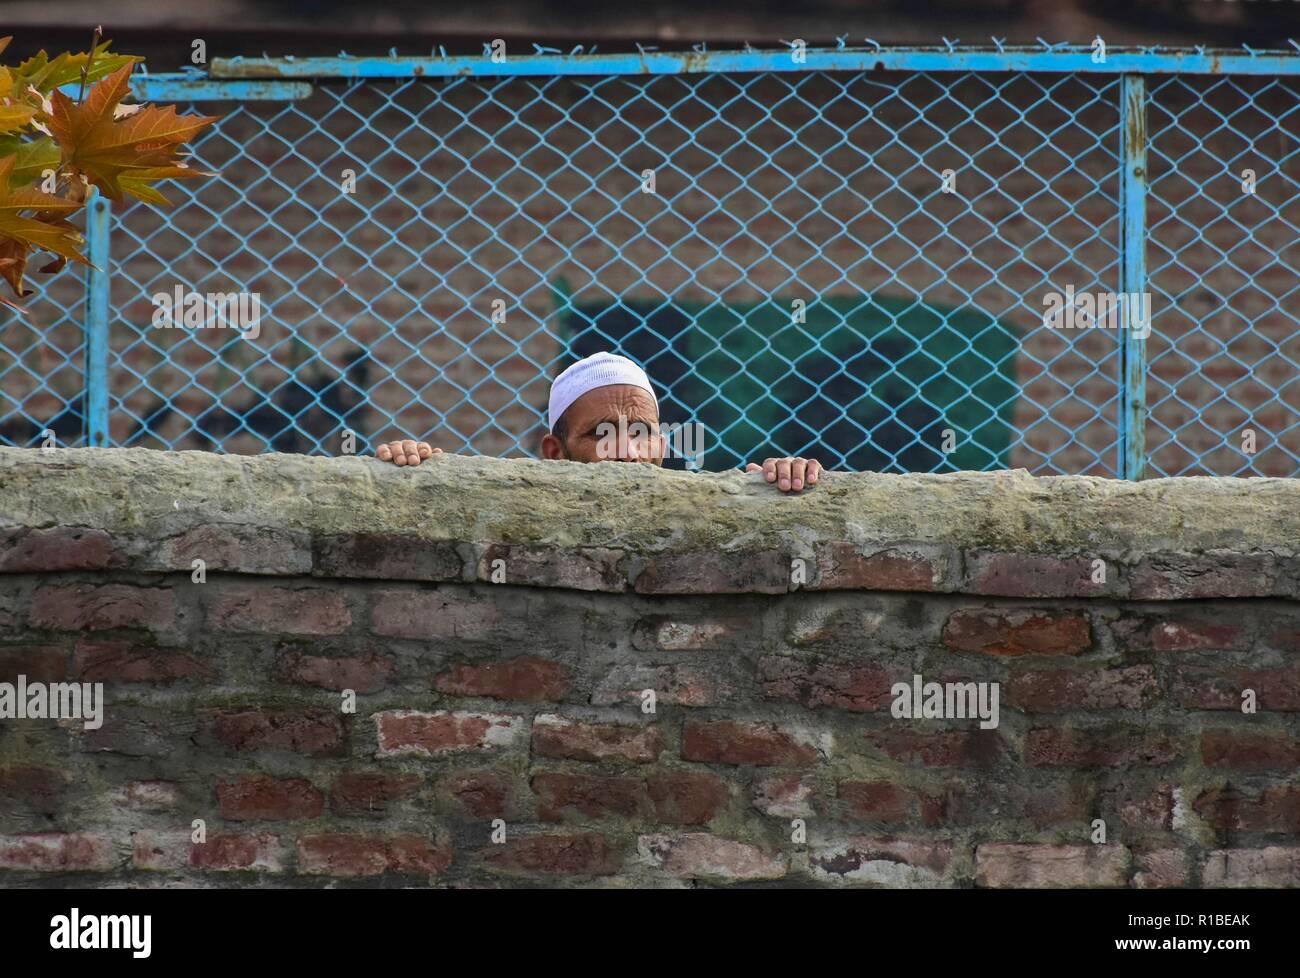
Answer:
x=791 y=474
x=405 y=451
x=783 y=474
x=798 y=468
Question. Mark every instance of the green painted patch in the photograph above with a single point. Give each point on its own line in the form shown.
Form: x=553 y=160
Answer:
x=864 y=384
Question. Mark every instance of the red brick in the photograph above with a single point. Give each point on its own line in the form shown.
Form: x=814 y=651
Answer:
x=594 y=796
x=783 y=796
x=946 y=748
x=316 y=733
x=1175 y=633
x=1033 y=576
x=886 y=862
x=408 y=613
x=260 y=608
x=733 y=742
x=1221 y=689
x=1186 y=636
x=1267 y=867
x=161 y=851
x=1215 y=574
x=1099 y=747
x=1065 y=690
x=686 y=798
x=54 y=852
x=443 y=732
x=238 y=852
x=700 y=855
x=582 y=569
x=888 y=802
x=26 y=789
x=1250 y=750
x=525 y=679
x=270 y=799
x=848 y=686
x=586 y=854
x=1018 y=632
x=716 y=572
x=362 y=673
x=58 y=548
x=240 y=549
x=557 y=737
x=94 y=607
x=1161 y=869
x=39 y=663
x=344 y=855
x=394 y=557
x=1271 y=810
x=841 y=565
x=369 y=793
x=1144 y=806
x=487 y=794
x=130 y=662
x=1025 y=865
x=674 y=685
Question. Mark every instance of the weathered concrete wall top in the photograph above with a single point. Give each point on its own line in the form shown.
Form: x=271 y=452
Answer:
x=643 y=528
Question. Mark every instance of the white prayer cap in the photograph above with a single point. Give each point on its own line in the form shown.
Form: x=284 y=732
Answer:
x=597 y=370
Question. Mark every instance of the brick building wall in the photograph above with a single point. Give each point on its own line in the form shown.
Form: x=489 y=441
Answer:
x=500 y=647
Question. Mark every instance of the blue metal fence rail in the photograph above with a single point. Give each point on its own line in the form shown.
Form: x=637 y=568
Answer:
x=840 y=252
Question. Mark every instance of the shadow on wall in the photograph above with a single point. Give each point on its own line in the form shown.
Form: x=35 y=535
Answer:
x=867 y=384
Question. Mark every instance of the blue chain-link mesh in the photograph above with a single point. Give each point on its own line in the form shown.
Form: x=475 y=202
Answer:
x=845 y=265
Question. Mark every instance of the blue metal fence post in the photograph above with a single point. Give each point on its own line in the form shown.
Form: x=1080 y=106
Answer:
x=98 y=213
x=1133 y=274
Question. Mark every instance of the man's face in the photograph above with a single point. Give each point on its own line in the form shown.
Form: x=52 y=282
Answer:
x=593 y=432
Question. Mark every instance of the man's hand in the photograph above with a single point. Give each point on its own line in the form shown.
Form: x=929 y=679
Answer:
x=405 y=452
x=790 y=474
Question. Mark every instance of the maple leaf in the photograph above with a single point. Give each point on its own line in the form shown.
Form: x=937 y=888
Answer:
x=47 y=230
x=45 y=75
x=139 y=148
x=138 y=184
x=13 y=262
x=12 y=116
x=34 y=157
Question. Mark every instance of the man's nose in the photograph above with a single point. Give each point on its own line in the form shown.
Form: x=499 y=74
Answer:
x=635 y=448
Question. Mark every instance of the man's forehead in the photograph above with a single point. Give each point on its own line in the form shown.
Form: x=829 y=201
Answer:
x=616 y=398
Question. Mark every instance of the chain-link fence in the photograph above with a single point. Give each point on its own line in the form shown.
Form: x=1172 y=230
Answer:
x=844 y=254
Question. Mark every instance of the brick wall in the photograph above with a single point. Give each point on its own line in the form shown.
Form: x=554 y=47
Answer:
x=773 y=755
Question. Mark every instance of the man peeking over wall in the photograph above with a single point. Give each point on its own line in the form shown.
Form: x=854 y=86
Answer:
x=603 y=409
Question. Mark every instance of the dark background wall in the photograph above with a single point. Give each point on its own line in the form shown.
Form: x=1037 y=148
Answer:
x=161 y=29
x=1037 y=158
